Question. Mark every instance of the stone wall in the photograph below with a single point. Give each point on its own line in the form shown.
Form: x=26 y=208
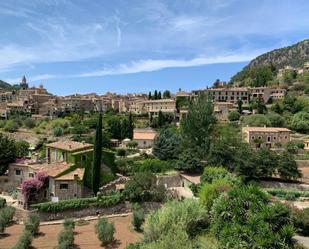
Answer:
x=276 y=184
x=121 y=208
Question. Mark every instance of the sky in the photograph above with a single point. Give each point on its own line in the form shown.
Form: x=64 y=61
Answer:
x=84 y=46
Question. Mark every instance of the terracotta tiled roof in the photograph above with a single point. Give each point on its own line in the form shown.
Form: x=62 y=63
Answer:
x=52 y=169
x=144 y=134
x=69 y=145
x=265 y=129
x=79 y=172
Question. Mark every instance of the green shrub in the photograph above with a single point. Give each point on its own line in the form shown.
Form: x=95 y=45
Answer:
x=121 y=152
x=11 y=126
x=211 y=191
x=2 y=202
x=234 y=116
x=242 y=217
x=58 y=131
x=301 y=221
x=213 y=173
x=152 y=165
x=138 y=218
x=105 y=231
x=69 y=224
x=32 y=224
x=29 y=123
x=288 y=194
x=24 y=241
x=66 y=238
x=6 y=216
x=101 y=201
x=172 y=216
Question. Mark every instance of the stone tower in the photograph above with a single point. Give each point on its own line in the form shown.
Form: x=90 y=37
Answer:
x=24 y=84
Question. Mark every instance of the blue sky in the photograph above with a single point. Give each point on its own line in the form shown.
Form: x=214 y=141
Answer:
x=140 y=45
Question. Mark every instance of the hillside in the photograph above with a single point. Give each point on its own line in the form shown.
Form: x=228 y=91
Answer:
x=5 y=85
x=267 y=64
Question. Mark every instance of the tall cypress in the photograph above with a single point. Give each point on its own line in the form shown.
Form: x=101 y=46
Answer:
x=130 y=126
x=96 y=169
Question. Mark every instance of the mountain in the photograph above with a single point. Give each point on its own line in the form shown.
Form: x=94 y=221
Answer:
x=295 y=56
x=5 y=85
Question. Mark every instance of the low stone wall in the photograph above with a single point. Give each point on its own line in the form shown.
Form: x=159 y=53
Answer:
x=121 y=208
x=275 y=184
x=80 y=213
x=169 y=181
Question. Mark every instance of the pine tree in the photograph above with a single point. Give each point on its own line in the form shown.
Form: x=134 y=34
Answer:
x=96 y=169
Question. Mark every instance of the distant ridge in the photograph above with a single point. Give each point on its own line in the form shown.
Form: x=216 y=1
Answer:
x=295 y=56
x=5 y=85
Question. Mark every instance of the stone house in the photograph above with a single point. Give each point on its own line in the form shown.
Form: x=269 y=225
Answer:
x=67 y=165
x=269 y=137
x=144 y=137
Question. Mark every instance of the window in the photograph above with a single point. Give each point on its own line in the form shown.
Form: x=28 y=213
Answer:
x=252 y=137
x=18 y=172
x=31 y=175
x=83 y=158
x=64 y=186
x=268 y=139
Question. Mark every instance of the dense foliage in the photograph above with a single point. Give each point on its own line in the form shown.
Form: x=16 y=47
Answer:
x=143 y=187
x=7 y=153
x=242 y=217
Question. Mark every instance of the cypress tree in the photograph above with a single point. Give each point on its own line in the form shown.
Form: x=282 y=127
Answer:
x=96 y=169
x=130 y=126
x=159 y=95
x=149 y=96
x=155 y=94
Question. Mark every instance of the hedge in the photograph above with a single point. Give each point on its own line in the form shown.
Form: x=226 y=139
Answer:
x=102 y=201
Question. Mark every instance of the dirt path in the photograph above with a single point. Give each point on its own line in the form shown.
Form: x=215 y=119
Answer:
x=84 y=238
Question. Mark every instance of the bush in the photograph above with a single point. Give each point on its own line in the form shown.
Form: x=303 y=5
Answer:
x=105 y=231
x=29 y=123
x=58 y=131
x=66 y=239
x=234 y=116
x=301 y=221
x=6 y=216
x=152 y=165
x=171 y=217
x=143 y=187
x=209 y=192
x=24 y=241
x=138 y=218
x=11 y=126
x=100 y=201
x=32 y=224
x=2 y=202
x=121 y=152
x=69 y=224
x=242 y=217
x=213 y=173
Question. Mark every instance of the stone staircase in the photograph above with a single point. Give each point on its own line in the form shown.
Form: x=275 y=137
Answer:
x=113 y=184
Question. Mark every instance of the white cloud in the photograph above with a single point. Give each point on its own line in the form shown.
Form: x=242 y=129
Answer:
x=155 y=65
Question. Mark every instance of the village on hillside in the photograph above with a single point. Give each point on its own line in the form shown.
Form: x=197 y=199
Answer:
x=67 y=161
